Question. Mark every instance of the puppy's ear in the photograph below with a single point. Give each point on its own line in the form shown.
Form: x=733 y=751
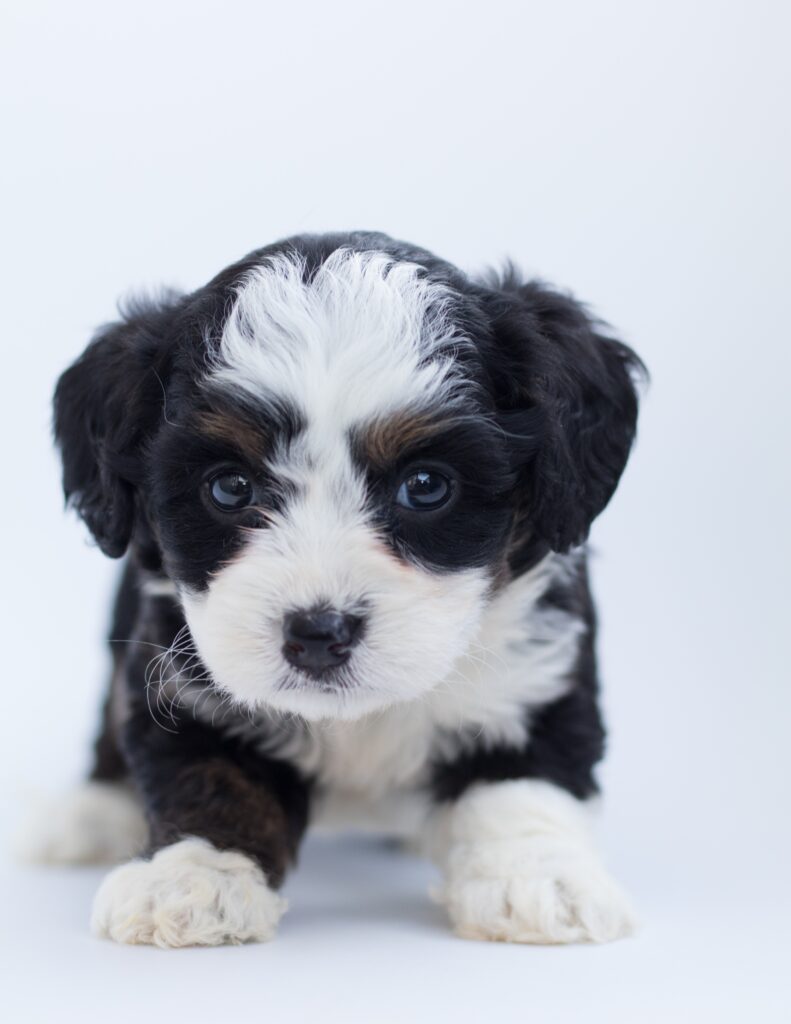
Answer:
x=570 y=404
x=105 y=406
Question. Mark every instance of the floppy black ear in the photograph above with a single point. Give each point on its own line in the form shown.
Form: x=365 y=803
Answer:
x=571 y=402
x=105 y=405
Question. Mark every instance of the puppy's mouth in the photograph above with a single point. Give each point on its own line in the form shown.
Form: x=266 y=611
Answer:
x=335 y=694
x=337 y=679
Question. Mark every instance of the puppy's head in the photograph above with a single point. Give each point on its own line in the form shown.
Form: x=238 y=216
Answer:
x=338 y=450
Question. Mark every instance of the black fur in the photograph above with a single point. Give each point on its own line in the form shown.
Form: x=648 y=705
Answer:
x=473 y=530
x=574 y=386
x=193 y=779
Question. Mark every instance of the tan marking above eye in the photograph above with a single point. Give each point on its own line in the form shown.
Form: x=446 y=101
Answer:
x=385 y=440
x=250 y=440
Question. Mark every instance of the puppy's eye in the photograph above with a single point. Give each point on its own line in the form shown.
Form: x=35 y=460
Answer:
x=230 y=491
x=423 y=490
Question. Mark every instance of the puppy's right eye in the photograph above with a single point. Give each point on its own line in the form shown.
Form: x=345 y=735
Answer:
x=230 y=491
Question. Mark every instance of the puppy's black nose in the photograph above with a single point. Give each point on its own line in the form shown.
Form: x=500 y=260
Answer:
x=319 y=640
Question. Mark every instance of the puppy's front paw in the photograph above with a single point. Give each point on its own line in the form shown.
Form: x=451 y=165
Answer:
x=511 y=890
x=188 y=894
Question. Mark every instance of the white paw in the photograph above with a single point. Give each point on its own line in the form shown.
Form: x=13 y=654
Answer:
x=518 y=890
x=188 y=894
x=520 y=866
x=97 y=823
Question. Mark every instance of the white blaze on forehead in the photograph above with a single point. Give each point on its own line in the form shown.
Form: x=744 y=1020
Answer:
x=363 y=336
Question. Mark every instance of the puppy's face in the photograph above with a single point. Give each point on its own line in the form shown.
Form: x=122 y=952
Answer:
x=337 y=452
x=335 y=497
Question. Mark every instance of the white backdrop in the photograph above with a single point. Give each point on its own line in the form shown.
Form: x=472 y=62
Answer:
x=635 y=152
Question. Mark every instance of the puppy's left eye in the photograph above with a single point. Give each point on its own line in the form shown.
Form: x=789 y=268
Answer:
x=230 y=491
x=423 y=490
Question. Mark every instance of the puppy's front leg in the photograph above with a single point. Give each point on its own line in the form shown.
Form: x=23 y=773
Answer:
x=519 y=866
x=224 y=826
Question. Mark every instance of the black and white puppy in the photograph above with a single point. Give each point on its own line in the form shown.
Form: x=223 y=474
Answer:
x=355 y=485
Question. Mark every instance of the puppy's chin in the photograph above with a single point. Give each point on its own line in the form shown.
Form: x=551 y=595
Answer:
x=315 y=703
x=345 y=696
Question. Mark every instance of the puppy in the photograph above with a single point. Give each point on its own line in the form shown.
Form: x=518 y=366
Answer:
x=354 y=486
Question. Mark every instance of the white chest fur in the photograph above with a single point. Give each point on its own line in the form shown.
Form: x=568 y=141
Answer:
x=519 y=659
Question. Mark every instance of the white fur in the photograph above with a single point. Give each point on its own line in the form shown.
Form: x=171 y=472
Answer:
x=519 y=866
x=373 y=766
x=398 y=814
x=518 y=658
x=97 y=823
x=346 y=346
x=417 y=623
x=188 y=894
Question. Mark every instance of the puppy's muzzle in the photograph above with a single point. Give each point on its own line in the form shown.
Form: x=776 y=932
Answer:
x=317 y=641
